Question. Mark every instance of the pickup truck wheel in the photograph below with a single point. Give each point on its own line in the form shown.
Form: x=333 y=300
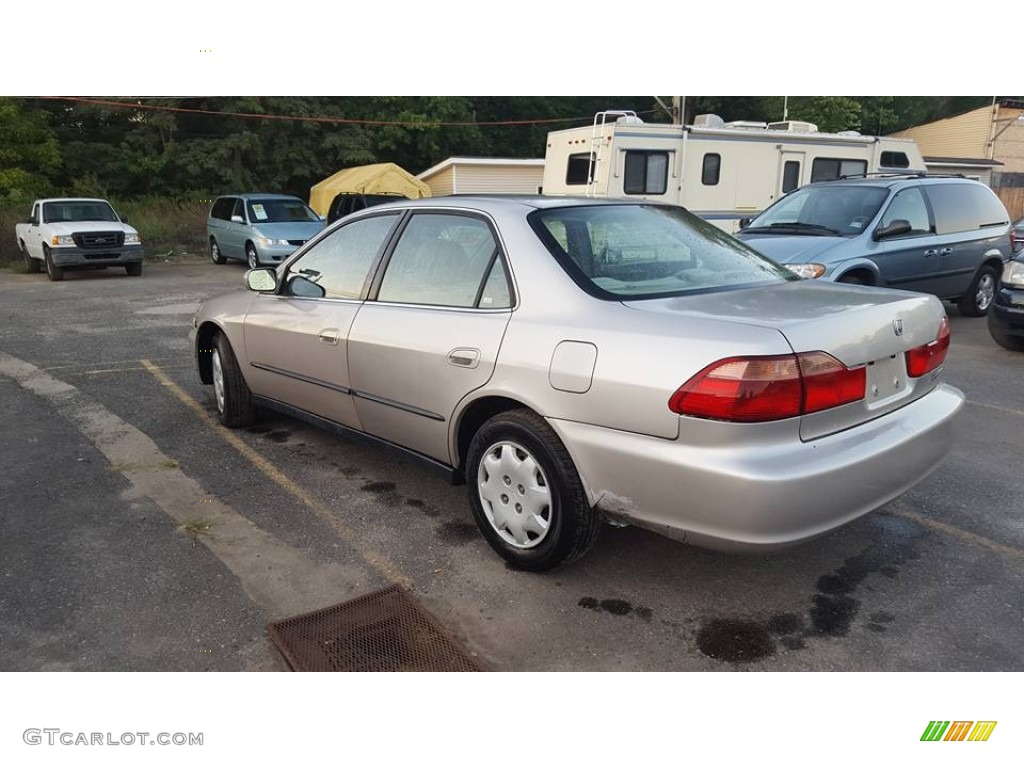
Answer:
x=526 y=495
x=215 y=255
x=979 y=296
x=251 y=256
x=32 y=265
x=134 y=269
x=234 y=401
x=55 y=273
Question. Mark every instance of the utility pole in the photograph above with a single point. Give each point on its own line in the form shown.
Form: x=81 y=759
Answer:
x=679 y=109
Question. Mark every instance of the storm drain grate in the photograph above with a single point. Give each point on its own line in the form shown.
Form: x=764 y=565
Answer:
x=384 y=631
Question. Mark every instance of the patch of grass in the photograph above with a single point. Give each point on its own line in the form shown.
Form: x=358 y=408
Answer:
x=15 y=267
x=194 y=528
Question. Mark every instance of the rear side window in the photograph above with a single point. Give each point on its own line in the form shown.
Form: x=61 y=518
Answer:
x=445 y=260
x=825 y=168
x=646 y=173
x=340 y=263
x=965 y=207
x=222 y=208
x=577 y=171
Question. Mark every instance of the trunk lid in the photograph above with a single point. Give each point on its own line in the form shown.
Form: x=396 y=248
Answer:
x=857 y=325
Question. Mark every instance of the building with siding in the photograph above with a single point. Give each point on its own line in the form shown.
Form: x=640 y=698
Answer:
x=484 y=175
x=987 y=143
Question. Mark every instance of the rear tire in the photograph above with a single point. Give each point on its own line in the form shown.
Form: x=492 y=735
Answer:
x=978 y=299
x=134 y=269
x=215 y=255
x=231 y=393
x=526 y=495
x=32 y=265
x=55 y=273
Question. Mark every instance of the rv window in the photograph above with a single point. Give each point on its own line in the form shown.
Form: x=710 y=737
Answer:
x=712 y=169
x=646 y=173
x=825 y=168
x=578 y=169
x=790 y=175
x=894 y=160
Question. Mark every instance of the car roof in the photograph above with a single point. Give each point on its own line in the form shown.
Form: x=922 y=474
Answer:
x=511 y=201
x=261 y=196
x=890 y=181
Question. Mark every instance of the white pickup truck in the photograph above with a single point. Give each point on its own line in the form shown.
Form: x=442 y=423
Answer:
x=77 y=233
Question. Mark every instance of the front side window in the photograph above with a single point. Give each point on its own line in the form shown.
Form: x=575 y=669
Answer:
x=579 y=168
x=276 y=211
x=822 y=210
x=620 y=252
x=339 y=264
x=910 y=206
x=646 y=173
x=238 y=210
x=446 y=260
x=827 y=168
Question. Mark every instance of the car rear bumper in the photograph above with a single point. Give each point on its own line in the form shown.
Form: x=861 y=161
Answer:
x=756 y=495
x=73 y=256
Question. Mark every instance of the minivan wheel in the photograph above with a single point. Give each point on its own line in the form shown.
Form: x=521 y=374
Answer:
x=251 y=257
x=232 y=395
x=978 y=299
x=527 y=498
x=215 y=255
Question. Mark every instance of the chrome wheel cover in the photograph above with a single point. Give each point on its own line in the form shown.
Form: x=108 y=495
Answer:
x=986 y=292
x=218 y=380
x=214 y=251
x=515 y=495
x=253 y=260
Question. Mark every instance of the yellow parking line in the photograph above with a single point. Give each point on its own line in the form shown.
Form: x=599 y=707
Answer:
x=900 y=510
x=376 y=560
x=129 y=368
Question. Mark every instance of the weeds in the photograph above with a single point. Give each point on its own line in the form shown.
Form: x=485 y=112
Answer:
x=194 y=528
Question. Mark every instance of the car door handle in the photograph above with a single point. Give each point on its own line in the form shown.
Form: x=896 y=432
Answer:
x=329 y=335
x=931 y=252
x=464 y=357
x=945 y=251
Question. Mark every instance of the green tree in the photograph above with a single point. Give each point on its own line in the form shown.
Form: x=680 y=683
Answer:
x=29 y=154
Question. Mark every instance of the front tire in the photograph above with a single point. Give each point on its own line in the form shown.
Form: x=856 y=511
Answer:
x=526 y=495
x=215 y=255
x=251 y=256
x=32 y=265
x=1004 y=340
x=134 y=269
x=979 y=297
x=232 y=395
x=55 y=273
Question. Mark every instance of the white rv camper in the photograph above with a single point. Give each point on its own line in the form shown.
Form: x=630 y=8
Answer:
x=720 y=171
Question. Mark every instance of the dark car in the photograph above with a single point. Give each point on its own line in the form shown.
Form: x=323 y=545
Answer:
x=345 y=203
x=948 y=236
x=1006 y=318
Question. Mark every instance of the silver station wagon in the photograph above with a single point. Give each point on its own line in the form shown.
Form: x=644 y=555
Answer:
x=575 y=361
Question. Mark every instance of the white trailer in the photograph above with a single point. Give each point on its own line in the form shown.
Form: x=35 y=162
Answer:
x=722 y=172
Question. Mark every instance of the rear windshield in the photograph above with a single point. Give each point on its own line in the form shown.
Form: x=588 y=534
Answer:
x=648 y=251
x=78 y=211
x=274 y=211
x=825 y=210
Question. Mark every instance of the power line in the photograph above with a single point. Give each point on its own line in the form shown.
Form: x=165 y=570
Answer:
x=306 y=119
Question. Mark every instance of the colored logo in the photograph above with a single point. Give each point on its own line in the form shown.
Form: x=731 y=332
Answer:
x=958 y=730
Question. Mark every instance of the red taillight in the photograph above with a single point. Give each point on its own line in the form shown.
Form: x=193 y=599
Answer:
x=921 y=360
x=752 y=389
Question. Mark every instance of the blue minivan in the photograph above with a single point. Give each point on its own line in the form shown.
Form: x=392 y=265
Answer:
x=948 y=236
x=260 y=229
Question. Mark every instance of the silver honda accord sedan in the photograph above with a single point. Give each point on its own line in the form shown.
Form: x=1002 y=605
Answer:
x=577 y=361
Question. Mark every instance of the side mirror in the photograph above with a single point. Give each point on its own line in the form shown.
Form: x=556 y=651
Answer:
x=895 y=229
x=304 y=287
x=238 y=219
x=124 y=219
x=261 y=280
x=745 y=222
